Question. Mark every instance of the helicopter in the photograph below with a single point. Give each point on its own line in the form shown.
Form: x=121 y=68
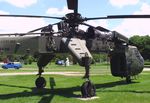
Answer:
x=125 y=59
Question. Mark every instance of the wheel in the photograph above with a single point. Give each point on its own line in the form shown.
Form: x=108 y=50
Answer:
x=88 y=89
x=128 y=79
x=40 y=82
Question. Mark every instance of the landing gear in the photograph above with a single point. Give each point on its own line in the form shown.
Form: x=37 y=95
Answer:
x=40 y=82
x=43 y=60
x=88 y=89
x=128 y=79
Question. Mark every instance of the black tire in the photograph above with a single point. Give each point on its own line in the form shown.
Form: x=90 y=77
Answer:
x=40 y=82
x=88 y=89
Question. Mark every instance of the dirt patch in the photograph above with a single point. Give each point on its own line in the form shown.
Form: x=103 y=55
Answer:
x=87 y=99
x=54 y=73
x=146 y=69
x=45 y=73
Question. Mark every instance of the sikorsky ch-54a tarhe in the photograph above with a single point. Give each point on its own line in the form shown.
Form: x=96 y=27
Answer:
x=125 y=59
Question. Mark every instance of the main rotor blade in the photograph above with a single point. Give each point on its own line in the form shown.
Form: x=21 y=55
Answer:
x=41 y=28
x=119 y=17
x=37 y=29
x=73 y=5
x=98 y=28
x=16 y=34
x=31 y=16
x=22 y=34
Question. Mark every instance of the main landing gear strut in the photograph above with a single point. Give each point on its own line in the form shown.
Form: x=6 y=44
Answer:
x=88 y=88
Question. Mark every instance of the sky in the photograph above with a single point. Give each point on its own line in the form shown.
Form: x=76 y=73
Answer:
x=88 y=8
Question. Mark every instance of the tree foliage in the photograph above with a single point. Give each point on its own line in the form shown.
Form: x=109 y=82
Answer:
x=143 y=44
x=100 y=57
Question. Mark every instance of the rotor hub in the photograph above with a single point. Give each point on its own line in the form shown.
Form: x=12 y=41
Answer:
x=74 y=19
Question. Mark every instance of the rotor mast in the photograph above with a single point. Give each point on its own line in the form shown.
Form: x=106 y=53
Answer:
x=73 y=19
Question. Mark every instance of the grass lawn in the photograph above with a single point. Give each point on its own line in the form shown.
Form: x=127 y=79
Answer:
x=109 y=89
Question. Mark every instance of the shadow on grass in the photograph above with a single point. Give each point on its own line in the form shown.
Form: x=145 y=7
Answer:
x=117 y=83
x=48 y=94
x=45 y=94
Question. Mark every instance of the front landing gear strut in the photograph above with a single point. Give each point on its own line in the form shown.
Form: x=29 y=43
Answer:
x=40 y=81
x=43 y=60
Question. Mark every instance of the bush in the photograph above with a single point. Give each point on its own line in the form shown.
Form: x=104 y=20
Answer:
x=100 y=57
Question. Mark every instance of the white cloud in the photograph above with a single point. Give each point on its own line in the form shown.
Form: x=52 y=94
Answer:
x=130 y=27
x=103 y=23
x=20 y=3
x=95 y=23
x=121 y=3
x=16 y=25
x=56 y=11
x=3 y=12
x=134 y=27
x=145 y=9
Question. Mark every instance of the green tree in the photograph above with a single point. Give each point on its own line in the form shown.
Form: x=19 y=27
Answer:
x=143 y=44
